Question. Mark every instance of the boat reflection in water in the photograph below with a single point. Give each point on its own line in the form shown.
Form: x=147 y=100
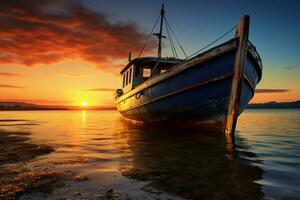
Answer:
x=189 y=164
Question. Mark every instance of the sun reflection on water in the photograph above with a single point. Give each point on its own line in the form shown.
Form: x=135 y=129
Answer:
x=83 y=116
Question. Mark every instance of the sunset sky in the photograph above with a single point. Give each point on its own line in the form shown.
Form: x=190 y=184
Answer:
x=68 y=52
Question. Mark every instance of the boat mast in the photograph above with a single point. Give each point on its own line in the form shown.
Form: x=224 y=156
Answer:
x=159 y=35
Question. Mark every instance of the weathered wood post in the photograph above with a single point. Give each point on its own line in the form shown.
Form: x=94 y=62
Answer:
x=242 y=33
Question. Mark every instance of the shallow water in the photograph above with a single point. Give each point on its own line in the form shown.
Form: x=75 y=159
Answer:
x=136 y=162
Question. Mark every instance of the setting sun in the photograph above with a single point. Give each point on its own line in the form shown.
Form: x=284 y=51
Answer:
x=84 y=104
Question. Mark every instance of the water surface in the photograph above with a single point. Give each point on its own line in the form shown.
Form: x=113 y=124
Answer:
x=120 y=160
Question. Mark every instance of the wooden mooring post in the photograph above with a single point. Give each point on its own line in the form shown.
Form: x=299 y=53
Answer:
x=242 y=33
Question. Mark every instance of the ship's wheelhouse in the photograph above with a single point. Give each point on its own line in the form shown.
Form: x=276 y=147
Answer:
x=141 y=69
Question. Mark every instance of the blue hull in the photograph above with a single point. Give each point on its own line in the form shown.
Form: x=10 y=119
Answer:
x=200 y=94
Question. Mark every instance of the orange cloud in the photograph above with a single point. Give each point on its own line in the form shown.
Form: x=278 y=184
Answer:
x=9 y=74
x=102 y=89
x=10 y=86
x=43 y=32
x=75 y=75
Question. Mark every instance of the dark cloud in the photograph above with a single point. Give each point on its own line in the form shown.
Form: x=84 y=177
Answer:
x=9 y=74
x=39 y=101
x=102 y=90
x=48 y=31
x=271 y=90
x=10 y=86
x=292 y=67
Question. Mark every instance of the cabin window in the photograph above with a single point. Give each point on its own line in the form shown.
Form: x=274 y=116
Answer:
x=136 y=70
x=127 y=78
x=130 y=72
x=124 y=80
x=146 y=72
x=163 y=70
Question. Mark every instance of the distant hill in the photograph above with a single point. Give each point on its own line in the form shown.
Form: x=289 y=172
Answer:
x=30 y=106
x=271 y=105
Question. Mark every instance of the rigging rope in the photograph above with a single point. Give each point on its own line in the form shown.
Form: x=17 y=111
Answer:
x=171 y=43
x=176 y=55
x=167 y=23
x=170 y=32
x=169 y=40
x=149 y=36
x=213 y=41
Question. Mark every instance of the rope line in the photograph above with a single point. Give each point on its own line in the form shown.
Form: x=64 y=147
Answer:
x=213 y=41
x=170 y=32
x=175 y=36
x=171 y=43
x=149 y=36
x=174 y=47
x=176 y=55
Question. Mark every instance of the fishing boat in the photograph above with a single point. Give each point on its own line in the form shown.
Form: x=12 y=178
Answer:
x=209 y=89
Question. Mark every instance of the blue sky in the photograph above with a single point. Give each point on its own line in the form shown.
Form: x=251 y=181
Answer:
x=275 y=25
x=274 y=29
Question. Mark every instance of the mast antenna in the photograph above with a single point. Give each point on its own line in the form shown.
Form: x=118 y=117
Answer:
x=159 y=35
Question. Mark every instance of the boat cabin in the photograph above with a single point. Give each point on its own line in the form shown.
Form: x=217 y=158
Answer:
x=140 y=69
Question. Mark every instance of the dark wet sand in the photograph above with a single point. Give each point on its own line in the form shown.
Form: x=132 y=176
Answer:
x=16 y=149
